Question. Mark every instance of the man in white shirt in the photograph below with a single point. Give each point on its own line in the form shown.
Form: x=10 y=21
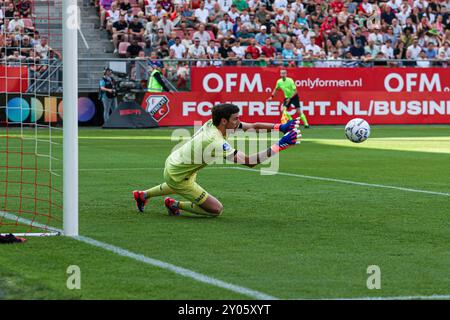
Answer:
x=234 y=13
x=179 y=49
x=367 y=7
x=196 y=51
x=394 y=5
x=238 y=49
x=165 y=24
x=16 y=22
x=209 y=5
x=376 y=36
x=421 y=4
x=387 y=49
x=202 y=35
x=415 y=49
x=225 y=5
x=304 y=37
x=202 y=13
x=43 y=50
x=279 y=4
x=313 y=47
x=405 y=11
x=297 y=6
x=225 y=25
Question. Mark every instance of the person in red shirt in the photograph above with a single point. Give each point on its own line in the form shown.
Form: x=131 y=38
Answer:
x=253 y=50
x=327 y=25
x=337 y=6
x=268 y=49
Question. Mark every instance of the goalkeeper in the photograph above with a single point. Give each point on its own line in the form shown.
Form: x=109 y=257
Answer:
x=287 y=85
x=180 y=170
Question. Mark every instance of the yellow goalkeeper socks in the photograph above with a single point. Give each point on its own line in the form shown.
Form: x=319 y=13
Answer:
x=161 y=190
x=193 y=208
x=303 y=117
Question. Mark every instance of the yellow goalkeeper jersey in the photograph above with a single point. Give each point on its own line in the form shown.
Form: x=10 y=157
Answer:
x=206 y=146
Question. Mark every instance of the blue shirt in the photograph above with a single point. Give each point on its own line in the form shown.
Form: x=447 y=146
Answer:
x=261 y=38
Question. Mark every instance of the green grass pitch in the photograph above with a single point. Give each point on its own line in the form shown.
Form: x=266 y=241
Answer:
x=288 y=236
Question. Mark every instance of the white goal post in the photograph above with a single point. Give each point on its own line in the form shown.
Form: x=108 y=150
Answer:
x=71 y=20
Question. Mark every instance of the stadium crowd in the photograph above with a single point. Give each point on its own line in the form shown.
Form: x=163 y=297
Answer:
x=20 y=42
x=280 y=32
x=264 y=32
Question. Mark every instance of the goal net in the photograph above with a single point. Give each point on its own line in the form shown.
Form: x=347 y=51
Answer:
x=31 y=113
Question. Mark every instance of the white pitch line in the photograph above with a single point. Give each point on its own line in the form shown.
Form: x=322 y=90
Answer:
x=150 y=261
x=364 y=184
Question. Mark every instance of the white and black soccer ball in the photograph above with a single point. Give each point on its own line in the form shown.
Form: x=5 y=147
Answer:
x=357 y=130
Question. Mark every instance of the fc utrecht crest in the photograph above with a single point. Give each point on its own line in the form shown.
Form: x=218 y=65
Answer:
x=158 y=107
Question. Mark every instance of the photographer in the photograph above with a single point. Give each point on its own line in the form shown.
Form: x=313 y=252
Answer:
x=108 y=94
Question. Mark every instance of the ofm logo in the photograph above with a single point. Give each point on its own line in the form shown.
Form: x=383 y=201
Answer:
x=232 y=82
x=419 y=82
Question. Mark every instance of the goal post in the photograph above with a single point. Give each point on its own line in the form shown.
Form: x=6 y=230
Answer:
x=38 y=134
x=70 y=122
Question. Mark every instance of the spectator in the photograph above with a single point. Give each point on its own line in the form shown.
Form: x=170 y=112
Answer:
x=253 y=50
x=212 y=49
x=104 y=6
x=196 y=51
x=422 y=61
x=238 y=49
x=9 y=11
x=24 y=8
x=179 y=49
x=136 y=29
x=225 y=49
x=25 y=46
x=43 y=50
x=165 y=24
x=445 y=49
x=415 y=49
x=430 y=51
x=225 y=25
x=357 y=50
x=119 y=32
x=124 y=6
x=225 y=5
x=202 y=35
x=268 y=50
x=202 y=14
x=17 y=22
x=112 y=17
x=134 y=48
x=262 y=36
x=387 y=49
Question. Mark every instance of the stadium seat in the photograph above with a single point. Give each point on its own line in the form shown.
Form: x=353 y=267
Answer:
x=28 y=23
x=123 y=46
x=211 y=34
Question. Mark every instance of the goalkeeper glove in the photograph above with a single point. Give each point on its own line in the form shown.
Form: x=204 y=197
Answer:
x=288 y=140
x=288 y=126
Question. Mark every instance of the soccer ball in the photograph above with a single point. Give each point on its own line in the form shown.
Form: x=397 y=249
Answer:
x=357 y=130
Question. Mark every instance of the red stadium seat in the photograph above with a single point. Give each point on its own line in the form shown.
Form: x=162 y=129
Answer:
x=123 y=46
x=28 y=23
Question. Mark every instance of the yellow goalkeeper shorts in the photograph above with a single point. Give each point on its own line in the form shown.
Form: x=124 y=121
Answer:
x=187 y=188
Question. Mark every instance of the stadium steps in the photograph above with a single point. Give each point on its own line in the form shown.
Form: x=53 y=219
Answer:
x=100 y=47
